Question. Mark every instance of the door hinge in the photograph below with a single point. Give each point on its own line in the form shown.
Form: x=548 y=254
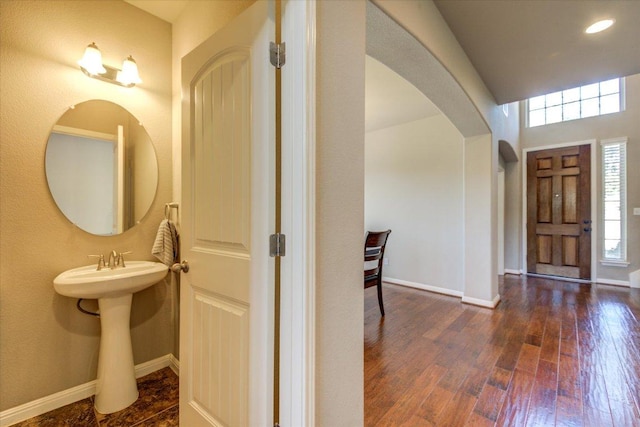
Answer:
x=277 y=243
x=277 y=53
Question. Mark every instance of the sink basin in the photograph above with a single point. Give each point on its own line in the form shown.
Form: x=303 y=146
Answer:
x=87 y=282
x=116 y=386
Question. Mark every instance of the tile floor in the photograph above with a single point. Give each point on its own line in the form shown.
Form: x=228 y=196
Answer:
x=157 y=406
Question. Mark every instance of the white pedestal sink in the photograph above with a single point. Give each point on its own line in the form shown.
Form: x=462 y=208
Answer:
x=113 y=288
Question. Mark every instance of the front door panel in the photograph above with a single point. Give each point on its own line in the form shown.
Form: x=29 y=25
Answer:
x=559 y=212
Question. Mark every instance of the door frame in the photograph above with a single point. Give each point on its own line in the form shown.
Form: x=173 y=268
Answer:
x=298 y=197
x=594 y=204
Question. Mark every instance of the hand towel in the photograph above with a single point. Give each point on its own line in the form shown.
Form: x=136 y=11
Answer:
x=165 y=247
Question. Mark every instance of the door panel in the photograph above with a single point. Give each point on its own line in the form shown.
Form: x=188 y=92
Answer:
x=228 y=198
x=559 y=212
x=221 y=143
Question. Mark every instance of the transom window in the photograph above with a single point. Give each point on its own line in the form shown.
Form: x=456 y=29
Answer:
x=577 y=103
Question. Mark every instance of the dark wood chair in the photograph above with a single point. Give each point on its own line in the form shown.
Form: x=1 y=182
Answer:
x=374 y=244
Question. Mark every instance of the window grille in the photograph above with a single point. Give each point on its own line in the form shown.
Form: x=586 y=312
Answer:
x=614 y=199
x=577 y=103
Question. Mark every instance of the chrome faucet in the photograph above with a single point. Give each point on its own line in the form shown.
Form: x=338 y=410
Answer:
x=114 y=260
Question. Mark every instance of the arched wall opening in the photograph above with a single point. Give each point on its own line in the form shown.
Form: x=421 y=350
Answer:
x=388 y=42
x=413 y=182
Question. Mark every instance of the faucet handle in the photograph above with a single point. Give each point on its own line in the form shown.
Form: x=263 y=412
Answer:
x=100 y=261
x=121 y=258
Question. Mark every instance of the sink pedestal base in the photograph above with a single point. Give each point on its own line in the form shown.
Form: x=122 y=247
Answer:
x=117 y=387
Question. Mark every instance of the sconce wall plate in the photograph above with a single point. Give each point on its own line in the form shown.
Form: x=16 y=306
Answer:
x=110 y=76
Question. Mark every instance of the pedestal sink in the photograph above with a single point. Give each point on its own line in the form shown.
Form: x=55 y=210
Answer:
x=113 y=288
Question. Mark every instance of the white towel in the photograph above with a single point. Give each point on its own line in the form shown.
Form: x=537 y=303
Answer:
x=165 y=248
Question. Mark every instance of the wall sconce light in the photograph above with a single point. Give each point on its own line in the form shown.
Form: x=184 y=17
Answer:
x=91 y=64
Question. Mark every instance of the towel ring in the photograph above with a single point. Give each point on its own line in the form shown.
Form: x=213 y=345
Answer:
x=167 y=210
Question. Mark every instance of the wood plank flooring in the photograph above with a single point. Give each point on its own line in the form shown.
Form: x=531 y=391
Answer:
x=552 y=353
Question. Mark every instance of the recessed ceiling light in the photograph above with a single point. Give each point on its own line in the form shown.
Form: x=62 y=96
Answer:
x=596 y=27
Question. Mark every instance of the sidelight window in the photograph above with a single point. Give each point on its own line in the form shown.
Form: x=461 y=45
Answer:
x=614 y=200
x=577 y=103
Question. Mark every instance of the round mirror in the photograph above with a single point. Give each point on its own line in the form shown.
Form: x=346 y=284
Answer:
x=101 y=167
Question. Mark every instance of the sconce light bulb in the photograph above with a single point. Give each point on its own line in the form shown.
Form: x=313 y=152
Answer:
x=129 y=74
x=91 y=61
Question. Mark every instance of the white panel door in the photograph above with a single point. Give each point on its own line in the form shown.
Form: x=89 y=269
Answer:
x=228 y=197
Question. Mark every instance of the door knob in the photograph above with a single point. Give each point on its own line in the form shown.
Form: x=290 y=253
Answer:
x=178 y=267
x=586 y=221
x=587 y=229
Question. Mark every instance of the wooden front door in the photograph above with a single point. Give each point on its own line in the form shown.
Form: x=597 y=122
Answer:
x=559 y=212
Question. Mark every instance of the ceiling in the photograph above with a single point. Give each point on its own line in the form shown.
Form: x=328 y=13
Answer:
x=390 y=100
x=522 y=48
x=527 y=48
x=168 y=10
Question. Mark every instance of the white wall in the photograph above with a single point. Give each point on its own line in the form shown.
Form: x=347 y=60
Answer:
x=423 y=21
x=413 y=186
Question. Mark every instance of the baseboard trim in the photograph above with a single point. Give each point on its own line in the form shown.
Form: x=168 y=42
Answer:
x=46 y=404
x=445 y=291
x=482 y=302
x=174 y=364
x=514 y=272
x=612 y=282
x=65 y=397
x=424 y=287
x=561 y=278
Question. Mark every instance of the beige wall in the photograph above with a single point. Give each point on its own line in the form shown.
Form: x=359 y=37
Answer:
x=339 y=212
x=414 y=186
x=46 y=345
x=625 y=123
x=513 y=216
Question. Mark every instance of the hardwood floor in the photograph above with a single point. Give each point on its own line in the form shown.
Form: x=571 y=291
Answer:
x=552 y=353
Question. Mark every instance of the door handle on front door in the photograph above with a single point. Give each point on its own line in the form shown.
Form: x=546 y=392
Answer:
x=587 y=229
x=586 y=221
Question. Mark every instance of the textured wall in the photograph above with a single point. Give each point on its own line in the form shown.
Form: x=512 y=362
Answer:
x=416 y=169
x=339 y=212
x=46 y=345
